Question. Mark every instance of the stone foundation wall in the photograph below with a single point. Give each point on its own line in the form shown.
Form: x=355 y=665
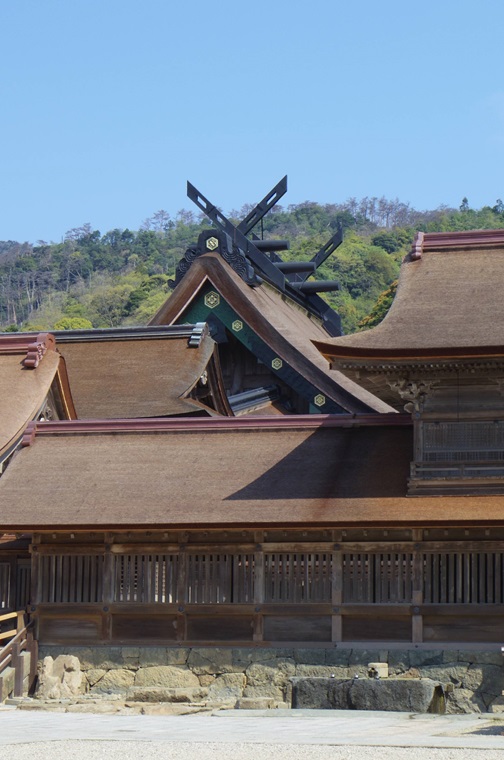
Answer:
x=258 y=677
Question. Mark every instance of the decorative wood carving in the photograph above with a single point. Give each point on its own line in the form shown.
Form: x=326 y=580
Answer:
x=414 y=392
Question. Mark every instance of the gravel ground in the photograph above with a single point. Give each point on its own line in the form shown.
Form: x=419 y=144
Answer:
x=125 y=750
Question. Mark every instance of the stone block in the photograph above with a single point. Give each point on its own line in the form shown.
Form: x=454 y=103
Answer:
x=116 y=681
x=422 y=658
x=103 y=657
x=168 y=676
x=152 y=657
x=321 y=671
x=497 y=705
x=462 y=701
x=103 y=708
x=338 y=657
x=392 y=694
x=255 y=703
x=398 y=661
x=212 y=661
x=450 y=672
x=320 y=693
x=227 y=688
x=61 y=677
x=379 y=669
x=131 y=657
x=206 y=680
x=269 y=680
x=363 y=656
x=176 y=655
x=310 y=656
x=487 y=680
x=7 y=683
x=165 y=694
x=482 y=658
x=94 y=675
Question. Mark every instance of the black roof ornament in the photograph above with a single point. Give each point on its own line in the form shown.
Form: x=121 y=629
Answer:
x=256 y=260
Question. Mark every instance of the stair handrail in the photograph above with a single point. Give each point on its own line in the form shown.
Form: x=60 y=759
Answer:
x=10 y=654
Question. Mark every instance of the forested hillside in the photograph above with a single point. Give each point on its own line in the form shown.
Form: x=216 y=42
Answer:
x=121 y=277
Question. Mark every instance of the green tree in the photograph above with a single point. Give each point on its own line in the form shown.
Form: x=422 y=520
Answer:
x=73 y=323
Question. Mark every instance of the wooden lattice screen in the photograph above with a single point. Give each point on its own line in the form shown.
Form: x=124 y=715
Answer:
x=295 y=577
x=377 y=577
x=4 y=585
x=286 y=577
x=71 y=578
x=145 y=578
x=464 y=578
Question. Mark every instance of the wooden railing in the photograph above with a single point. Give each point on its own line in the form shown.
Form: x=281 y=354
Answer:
x=21 y=640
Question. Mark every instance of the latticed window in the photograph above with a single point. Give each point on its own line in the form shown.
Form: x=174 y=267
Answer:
x=220 y=578
x=145 y=578
x=72 y=578
x=377 y=577
x=295 y=577
x=464 y=578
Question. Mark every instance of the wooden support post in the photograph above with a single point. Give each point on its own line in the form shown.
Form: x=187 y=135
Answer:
x=12 y=590
x=17 y=664
x=417 y=588
x=32 y=649
x=259 y=584
x=108 y=591
x=182 y=595
x=20 y=621
x=36 y=580
x=337 y=594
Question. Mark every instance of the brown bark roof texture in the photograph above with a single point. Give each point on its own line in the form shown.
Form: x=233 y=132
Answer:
x=264 y=476
x=134 y=378
x=22 y=393
x=448 y=304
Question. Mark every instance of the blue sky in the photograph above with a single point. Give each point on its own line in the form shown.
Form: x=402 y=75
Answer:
x=107 y=108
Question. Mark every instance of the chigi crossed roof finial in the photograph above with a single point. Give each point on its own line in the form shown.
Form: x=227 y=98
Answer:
x=256 y=260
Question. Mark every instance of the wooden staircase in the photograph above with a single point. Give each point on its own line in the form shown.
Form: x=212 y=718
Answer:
x=18 y=658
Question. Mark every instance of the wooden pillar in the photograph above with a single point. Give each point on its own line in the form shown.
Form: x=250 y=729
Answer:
x=182 y=580
x=32 y=649
x=337 y=593
x=259 y=587
x=36 y=572
x=417 y=590
x=108 y=589
x=12 y=592
x=17 y=664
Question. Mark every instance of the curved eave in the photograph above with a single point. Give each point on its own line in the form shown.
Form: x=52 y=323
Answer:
x=341 y=353
x=29 y=389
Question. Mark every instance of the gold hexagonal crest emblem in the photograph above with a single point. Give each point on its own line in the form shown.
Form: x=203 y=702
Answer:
x=212 y=299
x=212 y=243
x=237 y=325
x=277 y=363
x=319 y=400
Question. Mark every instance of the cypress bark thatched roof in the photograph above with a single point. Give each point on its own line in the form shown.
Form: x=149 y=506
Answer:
x=317 y=471
x=449 y=304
